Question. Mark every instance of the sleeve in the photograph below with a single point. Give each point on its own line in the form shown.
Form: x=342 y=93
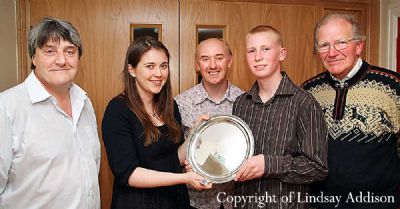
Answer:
x=310 y=164
x=118 y=136
x=397 y=101
x=95 y=128
x=398 y=120
x=5 y=147
x=234 y=106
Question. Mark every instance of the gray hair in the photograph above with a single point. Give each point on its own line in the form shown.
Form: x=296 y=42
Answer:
x=355 y=27
x=52 y=29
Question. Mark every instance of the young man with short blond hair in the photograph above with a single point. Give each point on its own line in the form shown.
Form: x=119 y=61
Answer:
x=288 y=127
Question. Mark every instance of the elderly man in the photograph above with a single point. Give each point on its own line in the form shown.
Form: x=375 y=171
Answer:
x=50 y=151
x=361 y=104
x=213 y=96
x=288 y=126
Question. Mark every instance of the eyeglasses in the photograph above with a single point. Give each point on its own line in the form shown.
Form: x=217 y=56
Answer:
x=338 y=45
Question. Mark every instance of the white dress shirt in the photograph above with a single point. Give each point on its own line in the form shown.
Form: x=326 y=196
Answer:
x=48 y=160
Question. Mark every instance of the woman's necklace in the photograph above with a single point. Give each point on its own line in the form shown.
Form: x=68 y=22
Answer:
x=155 y=118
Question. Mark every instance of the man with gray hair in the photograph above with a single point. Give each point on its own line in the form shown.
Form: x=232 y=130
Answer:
x=50 y=151
x=361 y=104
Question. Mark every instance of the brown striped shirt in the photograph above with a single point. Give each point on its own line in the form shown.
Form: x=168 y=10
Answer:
x=290 y=131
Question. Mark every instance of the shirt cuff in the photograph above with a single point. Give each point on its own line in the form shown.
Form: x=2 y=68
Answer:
x=275 y=165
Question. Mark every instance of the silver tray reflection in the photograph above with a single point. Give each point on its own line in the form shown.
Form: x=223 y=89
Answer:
x=219 y=146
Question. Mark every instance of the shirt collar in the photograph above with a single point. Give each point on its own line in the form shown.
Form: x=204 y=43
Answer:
x=77 y=92
x=352 y=72
x=286 y=88
x=203 y=95
x=38 y=93
x=36 y=90
x=335 y=83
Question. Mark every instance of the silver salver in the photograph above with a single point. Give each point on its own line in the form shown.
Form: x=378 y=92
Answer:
x=219 y=146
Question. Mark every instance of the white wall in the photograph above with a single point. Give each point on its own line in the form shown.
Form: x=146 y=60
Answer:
x=390 y=10
x=8 y=43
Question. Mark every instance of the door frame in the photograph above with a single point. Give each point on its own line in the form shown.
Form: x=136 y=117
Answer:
x=394 y=14
x=390 y=12
x=23 y=26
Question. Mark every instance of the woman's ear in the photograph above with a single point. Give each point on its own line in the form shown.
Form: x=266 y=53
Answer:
x=131 y=70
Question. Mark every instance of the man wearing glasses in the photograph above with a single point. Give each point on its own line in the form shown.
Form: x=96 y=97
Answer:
x=361 y=104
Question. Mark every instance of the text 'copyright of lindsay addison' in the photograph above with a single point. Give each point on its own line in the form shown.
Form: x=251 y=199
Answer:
x=263 y=199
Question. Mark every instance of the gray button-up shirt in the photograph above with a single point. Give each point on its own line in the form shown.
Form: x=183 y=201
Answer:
x=193 y=103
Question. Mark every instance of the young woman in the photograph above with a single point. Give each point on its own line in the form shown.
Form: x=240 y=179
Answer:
x=142 y=134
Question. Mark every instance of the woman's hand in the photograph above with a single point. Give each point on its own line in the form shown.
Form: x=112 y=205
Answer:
x=197 y=182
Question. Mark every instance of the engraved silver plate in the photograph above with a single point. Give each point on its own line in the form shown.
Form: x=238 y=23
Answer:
x=219 y=146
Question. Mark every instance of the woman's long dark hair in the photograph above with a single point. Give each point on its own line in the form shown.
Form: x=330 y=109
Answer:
x=163 y=102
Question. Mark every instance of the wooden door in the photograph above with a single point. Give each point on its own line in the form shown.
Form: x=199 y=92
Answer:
x=105 y=31
x=295 y=22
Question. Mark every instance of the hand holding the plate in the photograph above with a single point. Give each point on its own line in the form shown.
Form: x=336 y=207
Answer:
x=253 y=168
x=197 y=182
x=200 y=119
x=188 y=167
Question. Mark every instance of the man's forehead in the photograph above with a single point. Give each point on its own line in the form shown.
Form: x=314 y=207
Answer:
x=334 y=29
x=60 y=41
x=269 y=36
x=211 y=48
x=336 y=23
x=211 y=52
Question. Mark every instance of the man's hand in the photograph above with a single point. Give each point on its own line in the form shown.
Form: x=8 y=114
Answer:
x=254 y=167
x=201 y=119
x=188 y=167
